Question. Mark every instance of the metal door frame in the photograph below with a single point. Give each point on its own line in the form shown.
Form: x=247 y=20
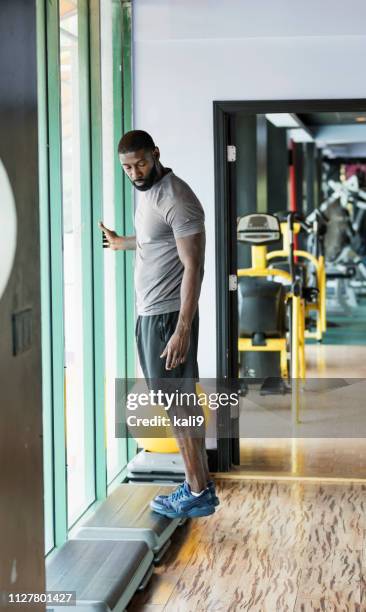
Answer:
x=226 y=301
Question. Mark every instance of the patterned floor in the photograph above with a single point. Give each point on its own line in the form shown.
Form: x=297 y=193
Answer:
x=280 y=546
x=271 y=546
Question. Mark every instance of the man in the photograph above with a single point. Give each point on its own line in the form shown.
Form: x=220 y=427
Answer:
x=170 y=246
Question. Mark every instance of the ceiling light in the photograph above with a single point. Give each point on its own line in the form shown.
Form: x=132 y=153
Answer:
x=300 y=135
x=282 y=120
x=360 y=119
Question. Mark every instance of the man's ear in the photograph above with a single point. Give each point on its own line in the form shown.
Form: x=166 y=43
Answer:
x=156 y=153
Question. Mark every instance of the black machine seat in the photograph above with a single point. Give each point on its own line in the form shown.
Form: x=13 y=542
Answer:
x=104 y=574
x=126 y=515
x=262 y=310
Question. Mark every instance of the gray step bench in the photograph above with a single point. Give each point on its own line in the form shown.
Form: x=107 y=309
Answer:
x=104 y=574
x=126 y=515
x=147 y=466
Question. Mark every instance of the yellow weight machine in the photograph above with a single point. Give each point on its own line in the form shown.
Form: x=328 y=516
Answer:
x=259 y=230
x=319 y=305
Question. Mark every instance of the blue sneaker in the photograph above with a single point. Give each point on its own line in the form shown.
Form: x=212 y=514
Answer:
x=210 y=487
x=182 y=504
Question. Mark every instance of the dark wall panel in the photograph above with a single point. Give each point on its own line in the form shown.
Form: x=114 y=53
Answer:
x=299 y=175
x=310 y=169
x=277 y=171
x=262 y=156
x=246 y=174
x=21 y=469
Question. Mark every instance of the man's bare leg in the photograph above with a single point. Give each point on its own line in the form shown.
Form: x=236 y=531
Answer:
x=192 y=447
x=195 y=462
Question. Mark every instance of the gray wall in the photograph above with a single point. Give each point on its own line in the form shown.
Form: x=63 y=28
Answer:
x=21 y=469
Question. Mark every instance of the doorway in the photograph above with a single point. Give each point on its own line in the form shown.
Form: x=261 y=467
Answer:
x=273 y=157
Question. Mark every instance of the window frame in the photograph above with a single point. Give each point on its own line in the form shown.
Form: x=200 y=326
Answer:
x=51 y=222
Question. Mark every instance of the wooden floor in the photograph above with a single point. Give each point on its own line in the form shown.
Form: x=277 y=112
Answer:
x=318 y=457
x=270 y=546
x=324 y=458
x=277 y=545
x=336 y=361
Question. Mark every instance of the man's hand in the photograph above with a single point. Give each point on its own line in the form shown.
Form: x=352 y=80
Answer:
x=176 y=350
x=110 y=238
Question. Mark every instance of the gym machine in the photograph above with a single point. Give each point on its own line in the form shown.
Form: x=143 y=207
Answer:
x=159 y=459
x=345 y=244
x=312 y=265
x=271 y=316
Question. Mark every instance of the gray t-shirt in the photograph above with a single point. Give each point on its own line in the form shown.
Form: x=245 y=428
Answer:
x=167 y=211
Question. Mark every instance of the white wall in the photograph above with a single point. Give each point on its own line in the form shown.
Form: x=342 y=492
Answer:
x=188 y=53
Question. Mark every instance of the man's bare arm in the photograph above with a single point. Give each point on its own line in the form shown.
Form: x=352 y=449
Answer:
x=118 y=243
x=191 y=251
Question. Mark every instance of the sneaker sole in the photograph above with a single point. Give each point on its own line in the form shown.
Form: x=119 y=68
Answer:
x=193 y=513
x=216 y=502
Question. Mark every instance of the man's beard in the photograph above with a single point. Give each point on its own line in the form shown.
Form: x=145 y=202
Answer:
x=148 y=181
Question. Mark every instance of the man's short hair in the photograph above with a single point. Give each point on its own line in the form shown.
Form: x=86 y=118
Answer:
x=134 y=141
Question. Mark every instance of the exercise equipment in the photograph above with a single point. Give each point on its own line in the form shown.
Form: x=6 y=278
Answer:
x=311 y=266
x=156 y=467
x=263 y=341
x=112 y=554
x=126 y=515
x=341 y=295
x=358 y=280
x=345 y=244
x=159 y=459
x=104 y=574
x=163 y=442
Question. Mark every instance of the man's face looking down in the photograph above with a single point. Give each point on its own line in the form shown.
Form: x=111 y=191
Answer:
x=140 y=167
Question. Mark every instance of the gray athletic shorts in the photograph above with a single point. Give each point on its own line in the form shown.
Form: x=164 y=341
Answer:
x=152 y=335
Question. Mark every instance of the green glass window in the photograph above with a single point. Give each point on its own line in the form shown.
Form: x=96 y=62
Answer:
x=87 y=292
x=79 y=451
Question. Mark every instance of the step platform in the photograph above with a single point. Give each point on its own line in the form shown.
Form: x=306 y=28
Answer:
x=126 y=515
x=160 y=467
x=104 y=574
